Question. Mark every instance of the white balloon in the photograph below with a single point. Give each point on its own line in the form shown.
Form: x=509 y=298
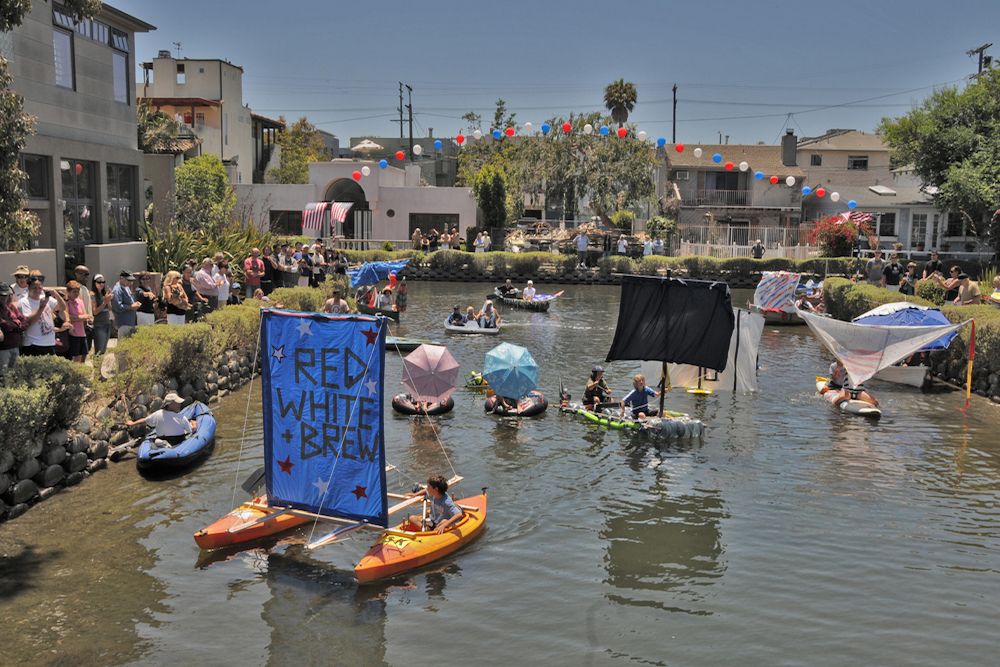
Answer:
x=588 y=129
x=478 y=134
x=834 y=196
x=417 y=149
x=697 y=152
x=642 y=135
x=527 y=127
x=744 y=165
x=790 y=181
x=366 y=170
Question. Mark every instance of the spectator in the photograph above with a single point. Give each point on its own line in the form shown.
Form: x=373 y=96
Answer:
x=204 y=283
x=968 y=292
x=289 y=266
x=39 y=308
x=949 y=284
x=480 y=243
x=757 y=250
x=874 y=267
x=101 y=301
x=12 y=326
x=146 y=297
x=647 y=247
x=196 y=302
x=342 y=264
x=217 y=259
x=908 y=284
x=224 y=282
x=487 y=241
x=581 y=241
x=622 y=245
x=433 y=237
x=305 y=268
x=402 y=294
x=607 y=246
x=82 y=273
x=425 y=244
x=253 y=271
x=892 y=273
x=318 y=264
x=175 y=298
x=933 y=266
x=20 y=285
x=78 y=318
x=445 y=239
x=124 y=305
x=417 y=239
x=658 y=246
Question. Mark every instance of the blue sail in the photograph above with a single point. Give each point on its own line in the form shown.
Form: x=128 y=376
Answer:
x=324 y=448
x=371 y=273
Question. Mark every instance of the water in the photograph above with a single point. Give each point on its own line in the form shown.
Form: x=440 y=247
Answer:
x=790 y=535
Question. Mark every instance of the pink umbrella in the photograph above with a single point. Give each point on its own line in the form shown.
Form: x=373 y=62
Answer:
x=430 y=373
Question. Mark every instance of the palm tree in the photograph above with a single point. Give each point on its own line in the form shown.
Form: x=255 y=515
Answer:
x=619 y=98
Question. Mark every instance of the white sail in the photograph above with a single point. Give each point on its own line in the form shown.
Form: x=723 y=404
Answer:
x=776 y=291
x=865 y=350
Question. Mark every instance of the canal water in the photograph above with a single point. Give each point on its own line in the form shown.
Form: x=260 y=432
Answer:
x=790 y=534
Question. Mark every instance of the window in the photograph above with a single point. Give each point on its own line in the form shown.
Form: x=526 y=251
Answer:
x=62 y=19
x=857 y=162
x=816 y=160
x=199 y=120
x=37 y=169
x=918 y=229
x=62 y=53
x=429 y=221
x=181 y=77
x=887 y=224
x=121 y=198
x=119 y=71
x=286 y=222
x=681 y=175
x=955 y=226
x=119 y=40
x=80 y=213
x=91 y=29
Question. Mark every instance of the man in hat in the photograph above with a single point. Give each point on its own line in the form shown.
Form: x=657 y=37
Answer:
x=168 y=424
x=20 y=285
x=456 y=319
x=124 y=305
x=39 y=307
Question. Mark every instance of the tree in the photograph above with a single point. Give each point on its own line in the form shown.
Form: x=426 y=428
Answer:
x=953 y=142
x=502 y=119
x=19 y=227
x=473 y=120
x=204 y=199
x=619 y=98
x=300 y=144
x=157 y=130
x=491 y=192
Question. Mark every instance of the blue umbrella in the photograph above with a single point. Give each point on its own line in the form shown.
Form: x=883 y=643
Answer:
x=903 y=314
x=510 y=370
x=370 y=273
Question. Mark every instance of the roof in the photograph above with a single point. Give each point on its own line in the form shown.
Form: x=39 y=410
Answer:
x=180 y=101
x=176 y=146
x=136 y=24
x=204 y=60
x=867 y=198
x=761 y=157
x=270 y=122
x=843 y=140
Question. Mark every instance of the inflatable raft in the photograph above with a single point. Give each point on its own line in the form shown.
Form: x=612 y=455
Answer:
x=471 y=328
x=217 y=535
x=672 y=424
x=403 y=404
x=539 y=303
x=850 y=406
x=777 y=317
x=400 y=344
x=529 y=406
x=151 y=457
x=400 y=550
x=368 y=310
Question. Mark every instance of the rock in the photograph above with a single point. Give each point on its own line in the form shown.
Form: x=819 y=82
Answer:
x=120 y=407
x=170 y=385
x=212 y=388
x=59 y=437
x=104 y=413
x=21 y=492
x=201 y=396
x=101 y=434
x=28 y=469
x=53 y=456
x=5 y=482
x=141 y=399
x=3 y=510
x=76 y=463
x=99 y=464
x=75 y=478
x=223 y=393
x=83 y=425
x=157 y=391
x=223 y=381
x=16 y=511
x=51 y=476
x=98 y=450
x=211 y=377
x=36 y=448
x=48 y=492
x=119 y=438
x=6 y=460
x=139 y=411
x=78 y=443
x=187 y=391
x=155 y=404
x=199 y=384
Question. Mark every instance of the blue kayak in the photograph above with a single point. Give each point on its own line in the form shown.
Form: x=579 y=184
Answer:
x=151 y=457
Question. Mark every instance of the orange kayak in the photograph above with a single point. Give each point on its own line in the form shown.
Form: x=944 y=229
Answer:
x=217 y=535
x=399 y=550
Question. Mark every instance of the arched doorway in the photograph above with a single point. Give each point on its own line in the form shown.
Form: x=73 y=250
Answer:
x=358 y=223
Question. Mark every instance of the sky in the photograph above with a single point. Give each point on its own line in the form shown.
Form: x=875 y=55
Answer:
x=741 y=67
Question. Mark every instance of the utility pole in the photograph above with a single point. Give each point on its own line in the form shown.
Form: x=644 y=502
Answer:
x=673 y=135
x=400 y=110
x=984 y=60
x=177 y=45
x=409 y=107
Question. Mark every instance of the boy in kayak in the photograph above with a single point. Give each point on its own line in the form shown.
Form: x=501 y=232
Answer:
x=840 y=383
x=168 y=424
x=638 y=398
x=444 y=513
x=529 y=292
x=597 y=391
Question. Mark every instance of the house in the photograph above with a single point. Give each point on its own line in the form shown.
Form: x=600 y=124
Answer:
x=844 y=157
x=83 y=163
x=207 y=96
x=437 y=167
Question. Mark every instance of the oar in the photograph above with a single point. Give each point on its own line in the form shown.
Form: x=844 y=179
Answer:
x=699 y=391
x=252 y=483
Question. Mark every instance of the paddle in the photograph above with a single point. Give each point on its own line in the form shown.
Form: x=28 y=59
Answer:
x=252 y=483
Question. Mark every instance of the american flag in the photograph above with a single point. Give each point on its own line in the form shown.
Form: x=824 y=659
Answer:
x=857 y=217
x=338 y=210
x=312 y=215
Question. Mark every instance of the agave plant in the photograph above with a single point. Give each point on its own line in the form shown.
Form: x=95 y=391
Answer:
x=168 y=248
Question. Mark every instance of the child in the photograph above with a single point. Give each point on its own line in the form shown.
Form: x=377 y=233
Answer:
x=444 y=513
x=638 y=398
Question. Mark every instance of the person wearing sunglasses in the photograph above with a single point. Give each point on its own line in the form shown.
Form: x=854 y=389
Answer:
x=100 y=297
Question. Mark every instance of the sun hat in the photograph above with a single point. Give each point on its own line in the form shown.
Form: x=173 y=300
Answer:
x=173 y=399
x=21 y=270
x=597 y=368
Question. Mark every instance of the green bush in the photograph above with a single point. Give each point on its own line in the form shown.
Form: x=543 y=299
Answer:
x=527 y=262
x=25 y=412
x=155 y=353
x=387 y=246
x=698 y=267
x=449 y=260
x=623 y=220
x=828 y=266
x=305 y=299
x=651 y=265
x=931 y=290
x=359 y=256
x=66 y=382
x=617 y=264
x=846 y=300
x=235 y=327
x=987 y=319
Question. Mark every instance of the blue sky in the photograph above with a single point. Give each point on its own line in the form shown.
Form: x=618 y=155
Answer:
x=740 y=67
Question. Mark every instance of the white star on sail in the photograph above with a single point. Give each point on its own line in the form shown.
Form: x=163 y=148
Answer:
x=372 y=387
x=304 y=329
x=322 y=485
x=279 y=353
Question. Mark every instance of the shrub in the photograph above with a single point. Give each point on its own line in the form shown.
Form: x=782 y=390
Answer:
x=359 y=256
x=448 y=260
x=618 y=264
x=67 y=382
x=930 y=290
x=623 y=220
x=651 y=265
x=846 y=300
x=387 y=246
x=834 y=236
x=527 y=262
x=828 y=266
x=701 y=266
x=305 y=299
x=25 y=412
x=154 y=353
x=235 y=327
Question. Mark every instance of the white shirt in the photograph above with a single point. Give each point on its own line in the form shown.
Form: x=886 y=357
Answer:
x=42 y=332
x=528 y=294
x=19 y=292
x=647 y=248
x=223 y=283
x=581 y=242
x=168 y=422
x=622 y=246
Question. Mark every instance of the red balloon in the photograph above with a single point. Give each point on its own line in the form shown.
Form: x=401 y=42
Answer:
x=400 y=155
x=566 y=127
x=622 y=132
x=729 y=166
x=78 y=168
x=356 y=175
x=774 y=180
x=679 y=148
x=460 y=139
x=820 y=192
x=509 y=132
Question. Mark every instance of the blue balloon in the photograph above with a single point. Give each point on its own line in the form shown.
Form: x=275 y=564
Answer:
x=497 y=134
x=759 y=175
x=661 y=142
x=717 y=158
x=806 y=190
x=545 y=128
x=852 y=204
x=438 y=145
x=605 y=130
x=382 y=164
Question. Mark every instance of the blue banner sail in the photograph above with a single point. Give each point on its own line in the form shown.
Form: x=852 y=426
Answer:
x=371 y=273
x=324 y=449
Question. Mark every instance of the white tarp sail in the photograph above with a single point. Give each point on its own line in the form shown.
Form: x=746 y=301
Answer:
x=776 y=291
x=741 y=368
x=865 y=350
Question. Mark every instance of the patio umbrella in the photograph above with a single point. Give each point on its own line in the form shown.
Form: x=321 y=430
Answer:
x=371 y=273
x=366 y=146
x=510 y=370
x=902 y=314
x=430 y=373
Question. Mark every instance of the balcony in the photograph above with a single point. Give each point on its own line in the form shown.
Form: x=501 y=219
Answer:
x=724 y=198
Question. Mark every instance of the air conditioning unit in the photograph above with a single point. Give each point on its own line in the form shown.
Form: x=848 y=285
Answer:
x=681 y=175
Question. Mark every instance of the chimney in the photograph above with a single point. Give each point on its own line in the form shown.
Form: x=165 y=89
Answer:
x=164 y=53
x=789 y=144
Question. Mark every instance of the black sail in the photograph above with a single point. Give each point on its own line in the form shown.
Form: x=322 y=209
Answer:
x=675 y=321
